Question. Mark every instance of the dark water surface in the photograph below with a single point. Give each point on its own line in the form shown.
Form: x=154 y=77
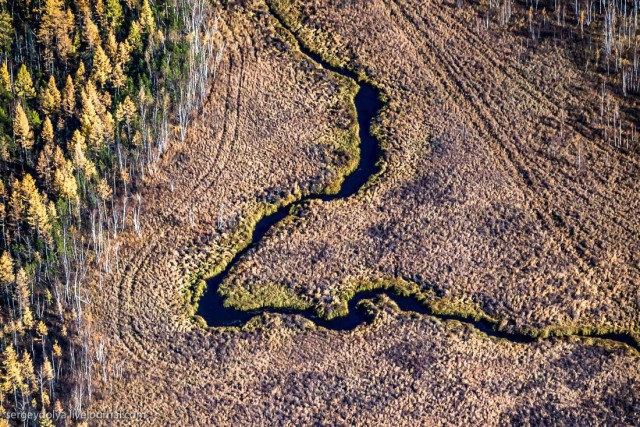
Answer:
x=367 y=104
x=211 y=306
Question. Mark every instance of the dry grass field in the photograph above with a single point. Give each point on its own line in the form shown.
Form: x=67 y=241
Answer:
x=497 y=193
x=497 y=196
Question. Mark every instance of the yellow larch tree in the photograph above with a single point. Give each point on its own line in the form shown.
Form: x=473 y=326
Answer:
x=21 y=129
x=111 y=46
x=5 y=79
x=36 y=207
x=23 y=291
x=134 y=39
x=90 y=31
x=69 y=98
x=6 y=269
x=28 y=372
x=24 y=84
x=12 y=379
x=115 y=14
x=6 y=31
x=80 y=74
x=92 y=116
x=48 y=373
x=45 y=165
x=47 y=131
x=77 y=148
x=50 y=98
x=126 y=113
x=55 y=30
x=146 y=18
x=101 y=66
x=15 y=203
x=65 y=182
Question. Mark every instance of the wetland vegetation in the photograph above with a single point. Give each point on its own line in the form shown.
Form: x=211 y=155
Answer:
x=321 y=212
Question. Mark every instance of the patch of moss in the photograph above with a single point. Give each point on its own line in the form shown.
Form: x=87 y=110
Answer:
x=268 y=295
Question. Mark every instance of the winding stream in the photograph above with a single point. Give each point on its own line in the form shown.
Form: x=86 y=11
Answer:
x=211 y=306
x=368 y=104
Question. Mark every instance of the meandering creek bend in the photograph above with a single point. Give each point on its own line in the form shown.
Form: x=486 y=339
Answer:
x=211 y=306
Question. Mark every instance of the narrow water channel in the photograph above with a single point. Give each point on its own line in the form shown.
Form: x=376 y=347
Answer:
x=368 y=104
x=211 y=306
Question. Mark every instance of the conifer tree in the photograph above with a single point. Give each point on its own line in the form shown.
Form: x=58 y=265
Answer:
x=24 y=84
x=91 y=32
x=15 y=203
x=6 y=32
x=21 y=129
x=77 y=147
x=12 y=379
x=44 y=420
x=69 y=98
x=28 y=372
x=118 y=77
x=23 y=292
x=65 y=182
x=45 y=165
x=99 y=14
x=111 y=46
x=134 y=39
x=80 y=74
x=6 y=269
x=5 y=80
x=146 y=18
x=101 y=66
x=47 y=131
x=91 y=119
x=42 y=330
x=47 y=370
x=126 y=113
x=55 y=31
x=50 y=98
x=114 y=13
x=59 y=160
x=36 y=207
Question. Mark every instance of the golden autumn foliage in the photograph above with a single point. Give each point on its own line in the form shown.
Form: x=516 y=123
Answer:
x=5 y=79
x=6 y=268
x=23 y=290
x=47 y=370
x=15 y=202
x=41 y=329
x=126 y=111
x=12 y=378
x=57 y=350
x=44 y=168
x=146 y=18
x=47 y=131
x=28 y=372
x=69 y=98
x=21 y=128
x=36 y=209
x=50 y=98
x=104 y=190
x=55 y=30
x=64 y=68
x=65 y=182
x=6 y=31
x=101 y=66
x=91 y=32
x=23 y=84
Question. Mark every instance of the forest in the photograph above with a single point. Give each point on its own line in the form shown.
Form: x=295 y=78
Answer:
x=90 y=94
